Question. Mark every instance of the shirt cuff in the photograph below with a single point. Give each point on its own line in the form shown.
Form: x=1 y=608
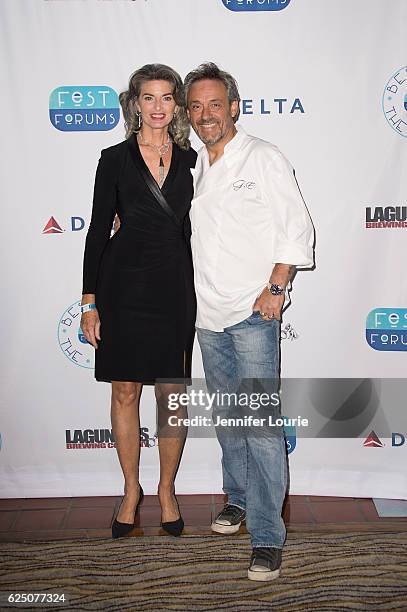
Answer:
x=292 y=253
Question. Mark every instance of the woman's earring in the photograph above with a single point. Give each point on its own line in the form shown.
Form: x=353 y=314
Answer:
x=138 y=119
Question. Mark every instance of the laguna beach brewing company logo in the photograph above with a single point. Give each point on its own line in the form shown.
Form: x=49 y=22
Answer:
x=388 y=217
x=395 y=101
x=71 y=339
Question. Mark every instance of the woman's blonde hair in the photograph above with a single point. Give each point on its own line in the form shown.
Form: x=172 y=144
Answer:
x=179 y=127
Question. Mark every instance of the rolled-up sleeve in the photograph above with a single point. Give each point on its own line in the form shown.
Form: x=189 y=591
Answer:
x=293 y=232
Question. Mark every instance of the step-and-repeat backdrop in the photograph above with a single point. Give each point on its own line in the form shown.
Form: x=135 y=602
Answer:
x=326 y=81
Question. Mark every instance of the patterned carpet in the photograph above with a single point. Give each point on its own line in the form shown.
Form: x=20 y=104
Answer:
x=324 y=572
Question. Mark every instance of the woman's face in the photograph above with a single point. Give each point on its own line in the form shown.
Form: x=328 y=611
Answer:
x=156 y=104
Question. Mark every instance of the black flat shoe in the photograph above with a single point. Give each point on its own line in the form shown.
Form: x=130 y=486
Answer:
x=174 y=528
x=119 y=530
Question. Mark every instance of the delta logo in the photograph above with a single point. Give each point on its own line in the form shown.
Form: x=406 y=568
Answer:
x=256 y=5
x=386 y=217
x=373 y=441
x=76 y=439
x=76 y=224
x=84 y=108
x=386 y=329
x=272 y=106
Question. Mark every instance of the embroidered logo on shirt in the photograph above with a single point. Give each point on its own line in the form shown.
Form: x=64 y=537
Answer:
x=242 y=184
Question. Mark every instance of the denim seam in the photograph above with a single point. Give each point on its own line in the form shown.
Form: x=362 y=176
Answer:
x=237 y=506
x=268 y=545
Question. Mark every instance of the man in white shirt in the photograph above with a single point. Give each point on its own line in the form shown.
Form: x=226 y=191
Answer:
x=250 y=230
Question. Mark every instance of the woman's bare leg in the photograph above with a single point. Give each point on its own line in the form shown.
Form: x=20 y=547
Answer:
x=126 y=431
x=170 y=444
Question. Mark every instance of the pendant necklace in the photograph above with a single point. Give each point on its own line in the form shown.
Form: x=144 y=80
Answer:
x=161 y=150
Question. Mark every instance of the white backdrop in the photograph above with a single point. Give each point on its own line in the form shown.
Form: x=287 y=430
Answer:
x=338 y=69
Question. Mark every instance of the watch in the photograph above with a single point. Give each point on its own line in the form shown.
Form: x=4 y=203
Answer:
x=275 y=289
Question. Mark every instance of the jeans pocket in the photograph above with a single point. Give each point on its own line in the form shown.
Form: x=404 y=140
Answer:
x=256 y=318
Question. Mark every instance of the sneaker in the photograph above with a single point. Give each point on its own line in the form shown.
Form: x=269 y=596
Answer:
x=265 y=564
x=229 y=519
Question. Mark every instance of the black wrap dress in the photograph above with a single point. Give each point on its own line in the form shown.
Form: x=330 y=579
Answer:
x=143 y=275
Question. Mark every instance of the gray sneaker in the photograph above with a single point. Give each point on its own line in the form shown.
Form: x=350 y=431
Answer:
x=265 y=564
x=229 y=519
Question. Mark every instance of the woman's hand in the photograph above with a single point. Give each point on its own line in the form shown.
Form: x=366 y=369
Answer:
x=116 y=224
x=90 y=325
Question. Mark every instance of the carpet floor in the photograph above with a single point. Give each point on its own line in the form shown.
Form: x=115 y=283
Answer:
x=324 y=572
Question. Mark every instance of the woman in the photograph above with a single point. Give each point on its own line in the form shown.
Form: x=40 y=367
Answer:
x=138 y=306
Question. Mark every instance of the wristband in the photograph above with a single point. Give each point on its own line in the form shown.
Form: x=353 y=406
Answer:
x=87 y=307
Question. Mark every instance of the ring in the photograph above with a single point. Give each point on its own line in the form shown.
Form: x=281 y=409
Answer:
x=267 y=316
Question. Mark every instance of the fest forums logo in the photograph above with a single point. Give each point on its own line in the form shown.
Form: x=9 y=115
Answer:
x=84 y=108
x=71 y=340
x=256 y=5
x=386 y=329
x=290 y=436
x=395 y=101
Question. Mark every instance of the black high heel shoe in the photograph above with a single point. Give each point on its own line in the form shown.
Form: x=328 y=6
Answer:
x=174 y=528
x=119 y=530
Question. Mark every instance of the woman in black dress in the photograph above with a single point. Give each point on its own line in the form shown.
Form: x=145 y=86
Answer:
x=138 y=306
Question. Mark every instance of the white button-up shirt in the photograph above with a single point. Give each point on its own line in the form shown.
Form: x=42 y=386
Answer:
x=247 y=215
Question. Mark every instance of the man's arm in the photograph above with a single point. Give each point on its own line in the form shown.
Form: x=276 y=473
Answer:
x=293 y=231
x=271 y=305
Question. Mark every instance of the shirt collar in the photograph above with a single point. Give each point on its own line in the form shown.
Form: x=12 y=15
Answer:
x=231 y=147
x=234 y=144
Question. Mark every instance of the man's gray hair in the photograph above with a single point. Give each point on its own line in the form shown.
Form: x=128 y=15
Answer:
x=209 y=70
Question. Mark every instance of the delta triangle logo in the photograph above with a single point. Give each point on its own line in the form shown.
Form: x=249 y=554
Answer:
x=52 y=227
x=372 y=440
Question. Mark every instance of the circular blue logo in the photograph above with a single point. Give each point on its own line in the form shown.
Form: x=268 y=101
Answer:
x=71 y=340
x=394 y=101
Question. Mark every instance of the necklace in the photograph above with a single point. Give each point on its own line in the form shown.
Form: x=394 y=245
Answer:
x=161 y=150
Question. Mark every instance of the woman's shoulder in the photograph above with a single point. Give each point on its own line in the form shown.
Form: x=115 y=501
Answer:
x=189 y=156
x=115 y=151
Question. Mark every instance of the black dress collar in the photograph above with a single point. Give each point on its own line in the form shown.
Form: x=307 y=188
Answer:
x=139 y=160
x=159 y=194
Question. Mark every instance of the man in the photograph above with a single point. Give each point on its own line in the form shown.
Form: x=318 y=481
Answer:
x=250 y=230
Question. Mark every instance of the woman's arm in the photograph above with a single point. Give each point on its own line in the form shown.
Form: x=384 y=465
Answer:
x=103 y=211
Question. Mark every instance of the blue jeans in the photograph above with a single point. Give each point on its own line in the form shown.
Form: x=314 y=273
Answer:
x=245 y=357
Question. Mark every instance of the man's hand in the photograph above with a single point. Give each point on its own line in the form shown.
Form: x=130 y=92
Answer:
x=269 y=305
x=90 y=324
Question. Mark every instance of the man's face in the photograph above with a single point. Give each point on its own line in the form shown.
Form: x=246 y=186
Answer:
x=210 y=112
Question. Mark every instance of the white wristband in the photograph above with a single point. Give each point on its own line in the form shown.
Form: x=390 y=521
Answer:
x=87 y=307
